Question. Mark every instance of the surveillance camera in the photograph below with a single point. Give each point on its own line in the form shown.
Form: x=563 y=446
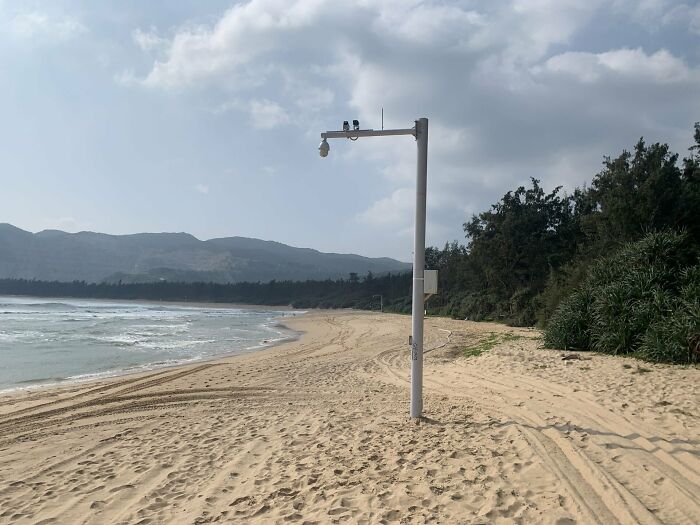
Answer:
x=346 y=126
x=356 y=125
x=323 y=148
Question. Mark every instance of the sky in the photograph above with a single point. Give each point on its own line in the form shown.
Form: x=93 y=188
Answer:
x=204 y=117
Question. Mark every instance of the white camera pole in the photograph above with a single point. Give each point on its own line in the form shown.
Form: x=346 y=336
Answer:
x=420 y=132
x=417 y=305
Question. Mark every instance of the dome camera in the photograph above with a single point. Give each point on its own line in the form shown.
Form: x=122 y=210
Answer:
x=324 y=148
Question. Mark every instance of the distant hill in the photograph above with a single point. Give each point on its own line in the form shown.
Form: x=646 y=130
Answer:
x=146 y=257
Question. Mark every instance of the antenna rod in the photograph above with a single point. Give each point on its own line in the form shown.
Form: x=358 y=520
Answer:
x=382 y=118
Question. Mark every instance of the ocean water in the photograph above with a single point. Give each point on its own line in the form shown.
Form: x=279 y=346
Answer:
x=48 y=341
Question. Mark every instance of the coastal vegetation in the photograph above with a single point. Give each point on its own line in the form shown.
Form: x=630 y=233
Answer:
x=643 y=300
x=612 y=266
x=491 y=341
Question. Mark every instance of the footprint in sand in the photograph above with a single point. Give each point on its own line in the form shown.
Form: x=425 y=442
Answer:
x=239 y=500
x=262 y=510
x=122 y=487
x=392 y=515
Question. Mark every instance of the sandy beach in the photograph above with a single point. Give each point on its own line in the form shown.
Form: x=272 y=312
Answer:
x=316 y=431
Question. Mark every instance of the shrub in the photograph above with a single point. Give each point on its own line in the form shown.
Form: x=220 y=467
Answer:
x=675 y=336
x=569 y=328
x=644 y=299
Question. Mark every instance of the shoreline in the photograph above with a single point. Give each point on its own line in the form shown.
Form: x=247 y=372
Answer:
x=317 y=430
x=111 y=375
x=176 y=303
x=285 y=335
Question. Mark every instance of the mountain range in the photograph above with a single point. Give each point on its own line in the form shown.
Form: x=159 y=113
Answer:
x=56 y=255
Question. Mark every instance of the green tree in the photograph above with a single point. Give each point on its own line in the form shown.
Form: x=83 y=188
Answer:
x=637 y=193
x=515 y=244
x=688 y=208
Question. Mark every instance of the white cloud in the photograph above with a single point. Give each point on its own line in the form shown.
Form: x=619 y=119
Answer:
x=649 y=14
x=686 y=15
x=661 y=66
x=126 y=78
x=148 y=40
x=392 y=211
x=266 y=114
x=524 y=31
x=202 y=188
x=245 y=32
x=305 y=95
x=232 y=104
x=427 y=23
x=39 y=24
x=512 y=89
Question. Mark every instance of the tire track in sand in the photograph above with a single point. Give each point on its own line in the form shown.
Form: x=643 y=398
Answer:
x=603 y=490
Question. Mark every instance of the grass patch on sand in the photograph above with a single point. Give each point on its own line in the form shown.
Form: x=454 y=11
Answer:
x=491 y=341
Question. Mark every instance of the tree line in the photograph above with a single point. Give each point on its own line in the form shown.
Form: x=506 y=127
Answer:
x=354 y=292
x=531 y=249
